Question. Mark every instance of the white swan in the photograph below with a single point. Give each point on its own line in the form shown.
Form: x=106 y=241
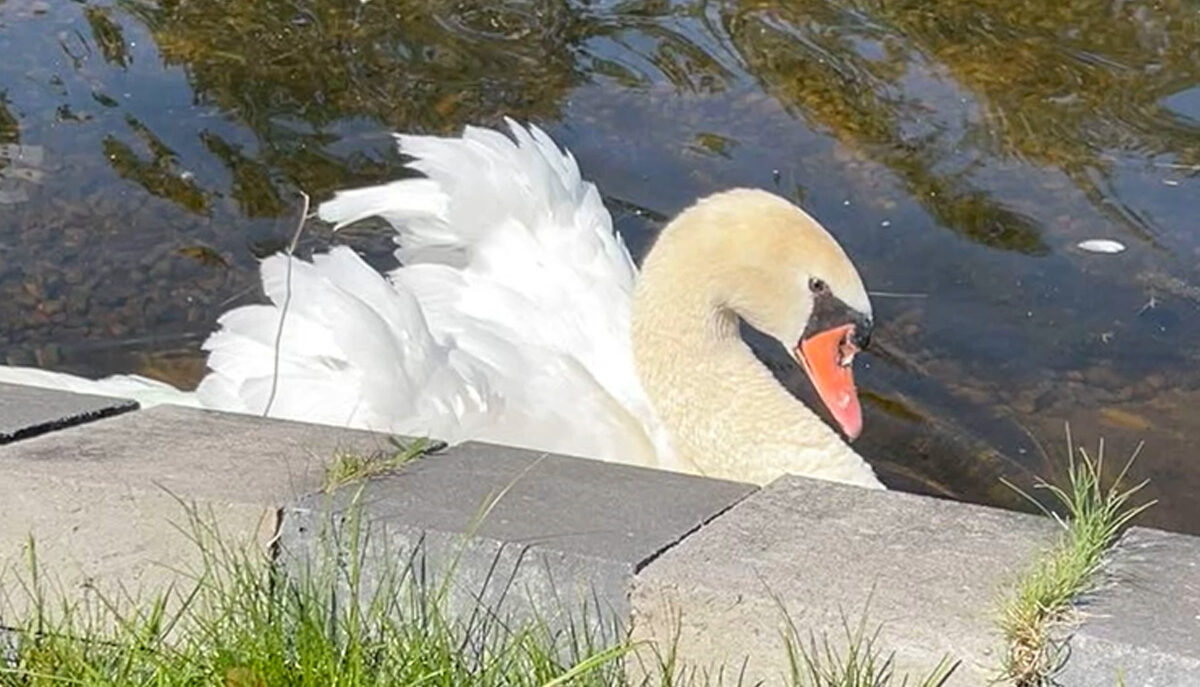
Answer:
x=512 y=315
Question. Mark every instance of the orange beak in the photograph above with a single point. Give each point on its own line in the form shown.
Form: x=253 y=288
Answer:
x=826 y=358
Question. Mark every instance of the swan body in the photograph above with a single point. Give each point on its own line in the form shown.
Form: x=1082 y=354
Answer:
x=514 y=318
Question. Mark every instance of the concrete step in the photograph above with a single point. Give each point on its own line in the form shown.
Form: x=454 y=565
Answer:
x=1143 y=623
x=711 y=568
x=27 y=411
x=106 y=501
x=527 y=535
x=926 y=572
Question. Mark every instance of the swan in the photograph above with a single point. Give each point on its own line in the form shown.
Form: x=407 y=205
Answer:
x=517 y=316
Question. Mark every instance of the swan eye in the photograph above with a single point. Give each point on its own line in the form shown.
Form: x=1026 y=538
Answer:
x=817 y=285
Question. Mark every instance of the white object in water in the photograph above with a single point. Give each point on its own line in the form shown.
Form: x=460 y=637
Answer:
x=1101 y=246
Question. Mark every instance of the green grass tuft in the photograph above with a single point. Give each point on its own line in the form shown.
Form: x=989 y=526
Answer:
x=350 y=466
x=861 y=663
x=241 y=620
x=244 y=622
x=1095 y=514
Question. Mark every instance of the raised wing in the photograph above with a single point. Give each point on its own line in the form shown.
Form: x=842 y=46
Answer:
x=507 y=319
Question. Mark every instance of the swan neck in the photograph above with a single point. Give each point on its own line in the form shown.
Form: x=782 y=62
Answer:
x=726 y=414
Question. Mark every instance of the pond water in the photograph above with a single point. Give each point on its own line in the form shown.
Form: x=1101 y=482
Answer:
x=151 y=152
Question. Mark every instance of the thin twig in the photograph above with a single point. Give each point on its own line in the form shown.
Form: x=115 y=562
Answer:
x=287 y=301
x=235 y=296
x=896 y=294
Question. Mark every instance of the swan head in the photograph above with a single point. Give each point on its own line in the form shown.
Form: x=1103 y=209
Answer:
x=774 y=266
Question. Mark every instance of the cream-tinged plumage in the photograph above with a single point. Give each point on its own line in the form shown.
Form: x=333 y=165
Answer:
x=749 y=254
x=513 y=318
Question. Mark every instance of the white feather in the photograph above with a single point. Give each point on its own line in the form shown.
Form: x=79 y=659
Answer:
x=147 y=392
x=1101 y=246
x=516 y=267
x=507 y=320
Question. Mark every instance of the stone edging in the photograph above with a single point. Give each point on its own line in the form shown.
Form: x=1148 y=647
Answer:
x=705 y=563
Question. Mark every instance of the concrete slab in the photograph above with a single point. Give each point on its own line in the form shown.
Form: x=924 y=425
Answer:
x=105 y=502
x=1144 y=623
x=526 y=534
x=931 y=571
x=27 y=411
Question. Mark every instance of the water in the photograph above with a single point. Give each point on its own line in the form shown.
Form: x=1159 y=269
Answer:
x=150 y=153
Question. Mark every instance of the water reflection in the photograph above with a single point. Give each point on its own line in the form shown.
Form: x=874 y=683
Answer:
x=106 y=35
x=159 y=175
x=959 y=149
x=9 y=131
x=10 y=136
x=841 y=78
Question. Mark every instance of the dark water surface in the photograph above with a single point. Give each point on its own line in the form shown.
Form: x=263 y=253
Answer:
x=959 y=149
